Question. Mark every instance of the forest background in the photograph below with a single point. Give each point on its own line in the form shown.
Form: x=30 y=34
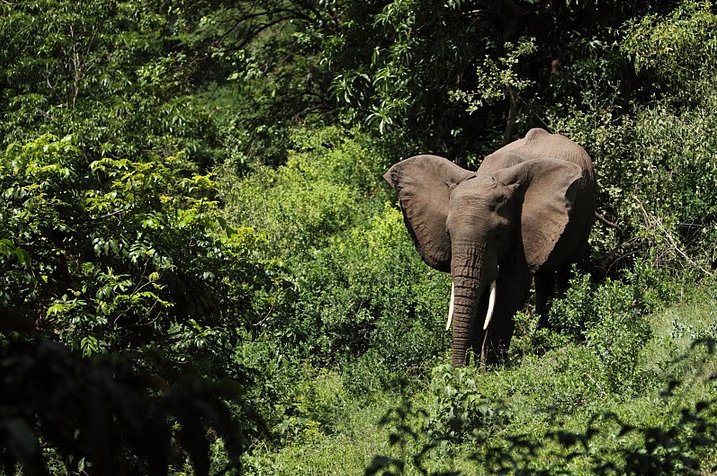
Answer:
x=202 y=271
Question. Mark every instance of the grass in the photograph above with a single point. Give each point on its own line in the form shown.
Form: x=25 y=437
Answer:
x=561 y=389
x=347 y=450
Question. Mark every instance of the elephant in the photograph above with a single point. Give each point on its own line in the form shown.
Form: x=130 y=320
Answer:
x=525 y=213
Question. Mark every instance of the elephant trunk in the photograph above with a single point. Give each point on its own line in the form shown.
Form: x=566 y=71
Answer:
x=468 y=285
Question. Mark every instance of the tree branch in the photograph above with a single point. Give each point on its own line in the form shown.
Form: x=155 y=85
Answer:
x=653 y=221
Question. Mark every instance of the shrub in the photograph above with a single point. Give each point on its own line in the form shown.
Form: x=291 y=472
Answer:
x=609 y=318
x=357 y=282
x=131 y=89
x=109 y=416
x=296 y=401
x=113 y=254
x=370 y=290
x=460 y=410
x=317 y=194
x=679 y=49
x=654 y=156
x=668 y=434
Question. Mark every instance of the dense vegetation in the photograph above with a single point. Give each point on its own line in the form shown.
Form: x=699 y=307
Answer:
x=201 y=268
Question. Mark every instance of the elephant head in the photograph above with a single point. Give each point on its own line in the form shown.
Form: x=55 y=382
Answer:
x=473 y=224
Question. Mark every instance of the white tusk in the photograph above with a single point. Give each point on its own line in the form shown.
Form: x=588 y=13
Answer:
x=491 y=305
x=450 y=308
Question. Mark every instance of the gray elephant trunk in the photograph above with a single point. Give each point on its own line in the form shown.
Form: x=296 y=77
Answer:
x=466 y=270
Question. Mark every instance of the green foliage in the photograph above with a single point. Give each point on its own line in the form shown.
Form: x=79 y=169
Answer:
x=399 y=420
x=604 y=440
x=63 y=412
x=117 y=76
x=497 y=79
x=681 y=210
x=295 y=400
x=460 y=409
x=112 y=254
x=609 y=318
x=412 y=54
x=466 y=405
x=398 y=66
x=312 y=219
x=316 y=195
x=654 y=154
x=388 y=303
x=679 y=48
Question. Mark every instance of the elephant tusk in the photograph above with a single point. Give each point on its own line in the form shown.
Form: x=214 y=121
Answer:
x=491 y=305
x=450 y=307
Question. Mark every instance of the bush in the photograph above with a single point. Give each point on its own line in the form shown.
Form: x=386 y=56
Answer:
x=317 y=194
x=654 y=156
x=131 y=89
x=389 y=302
x=460 y=410
x=679 y=49
x=114 y=254
x=296 y=401
x=508 y=430
x=610 y=318
x=356 y=281
x=109 y=416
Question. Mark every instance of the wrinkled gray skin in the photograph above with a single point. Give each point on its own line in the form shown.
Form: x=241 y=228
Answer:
x=527 y=211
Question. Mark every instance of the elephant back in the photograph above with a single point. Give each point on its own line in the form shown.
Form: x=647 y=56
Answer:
x=540 y=144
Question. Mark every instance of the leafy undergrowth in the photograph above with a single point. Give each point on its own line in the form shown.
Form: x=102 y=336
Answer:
x=357 y=440
x=557 y=412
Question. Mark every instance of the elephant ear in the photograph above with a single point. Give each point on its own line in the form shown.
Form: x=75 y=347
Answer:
x=549 y=188
x=423 y=184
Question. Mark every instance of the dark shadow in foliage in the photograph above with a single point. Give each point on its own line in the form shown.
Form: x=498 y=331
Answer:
x=109 y=415
x=648 y=450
